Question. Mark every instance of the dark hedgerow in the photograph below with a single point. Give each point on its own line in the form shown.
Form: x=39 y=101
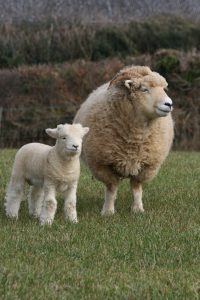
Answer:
x=167 y=32
x=111 y=41
x=167 y=64
x=56 y=41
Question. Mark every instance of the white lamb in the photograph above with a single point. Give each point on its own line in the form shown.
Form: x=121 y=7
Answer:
x=47 y=169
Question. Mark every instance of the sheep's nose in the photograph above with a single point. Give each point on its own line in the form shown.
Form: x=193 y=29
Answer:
x=168 y=104
x=75 y=146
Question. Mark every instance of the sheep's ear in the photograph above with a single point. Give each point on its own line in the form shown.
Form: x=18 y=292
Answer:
x=52 y=132
x=132 y=84
x=85 y=130
x=128 y=83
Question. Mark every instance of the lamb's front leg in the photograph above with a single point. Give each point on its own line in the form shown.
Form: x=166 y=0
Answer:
x=136 y=188
x=70 y=203
x=49 y=205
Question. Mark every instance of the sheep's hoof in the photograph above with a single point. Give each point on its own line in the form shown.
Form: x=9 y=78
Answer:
x=137 y=209
x=107 y=213
x=34 y=215
x=74 y=221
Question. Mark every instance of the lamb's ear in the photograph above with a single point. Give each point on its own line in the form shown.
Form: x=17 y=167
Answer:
x=128 y=83
x=60 y=126
x=52 y=132
x=85 y=130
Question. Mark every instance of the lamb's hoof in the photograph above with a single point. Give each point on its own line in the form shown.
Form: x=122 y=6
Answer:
x=47 y=221
x=12 y=215
x=107 y=213
x=137 y=209
x=75 y=221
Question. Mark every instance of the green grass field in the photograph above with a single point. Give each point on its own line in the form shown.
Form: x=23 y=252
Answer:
x=151 y=256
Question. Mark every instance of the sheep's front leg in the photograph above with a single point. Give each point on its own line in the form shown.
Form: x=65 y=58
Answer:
x=136 y=188
x=35 y=200
x=106 y=175
x=110 y=197
x=49 y=205
x=70 y=203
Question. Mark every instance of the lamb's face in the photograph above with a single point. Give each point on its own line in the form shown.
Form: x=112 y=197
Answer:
x=69 y=138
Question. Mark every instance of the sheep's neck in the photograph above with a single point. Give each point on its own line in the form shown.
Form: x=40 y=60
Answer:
x=129 y=115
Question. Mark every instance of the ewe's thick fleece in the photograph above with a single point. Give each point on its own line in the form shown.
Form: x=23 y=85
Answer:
x=122 y=142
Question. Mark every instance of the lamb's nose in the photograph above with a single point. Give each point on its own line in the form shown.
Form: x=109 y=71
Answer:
x=75 y=146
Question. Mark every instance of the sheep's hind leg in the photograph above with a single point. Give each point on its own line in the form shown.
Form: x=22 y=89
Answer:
x=35 y=200
x=49 y=205
x=136 y=188
x=70 y=204
x=105 y=174
x=14 y=196
x=110 y=197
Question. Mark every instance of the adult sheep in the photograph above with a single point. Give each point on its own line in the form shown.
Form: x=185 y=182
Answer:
x=131 y=131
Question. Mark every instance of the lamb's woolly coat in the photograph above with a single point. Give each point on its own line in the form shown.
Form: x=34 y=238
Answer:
x=47 y=169
x=124 y=141
x=38 y=162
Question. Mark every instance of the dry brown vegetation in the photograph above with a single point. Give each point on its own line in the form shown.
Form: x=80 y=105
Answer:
x=37 y=97
x=34 y=98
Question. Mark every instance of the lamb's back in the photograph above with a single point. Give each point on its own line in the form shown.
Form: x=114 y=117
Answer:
x=31 y=159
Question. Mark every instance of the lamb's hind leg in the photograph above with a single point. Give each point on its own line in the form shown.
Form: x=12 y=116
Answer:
x=136 y=188
x=35 y=200
x=14 y=196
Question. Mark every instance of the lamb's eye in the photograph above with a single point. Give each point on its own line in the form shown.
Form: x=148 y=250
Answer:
x=64 y=138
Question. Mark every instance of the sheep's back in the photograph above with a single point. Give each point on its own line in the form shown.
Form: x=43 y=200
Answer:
x=92 y=105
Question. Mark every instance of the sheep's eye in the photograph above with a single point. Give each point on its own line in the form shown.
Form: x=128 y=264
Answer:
x=63 y=138
x=144 y=90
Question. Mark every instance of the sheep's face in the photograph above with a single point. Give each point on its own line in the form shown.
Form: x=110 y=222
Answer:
x=69 y=138
x=145 y=89
x=153 y=100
